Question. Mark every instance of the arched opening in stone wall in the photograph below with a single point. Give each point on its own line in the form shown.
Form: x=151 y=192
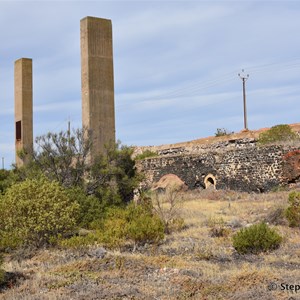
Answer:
x=210 y=181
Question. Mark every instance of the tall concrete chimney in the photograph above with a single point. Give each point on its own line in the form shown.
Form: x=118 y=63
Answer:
x=23 y=110
x=97 y=81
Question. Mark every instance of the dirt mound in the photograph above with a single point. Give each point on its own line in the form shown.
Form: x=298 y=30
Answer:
x=169 y=181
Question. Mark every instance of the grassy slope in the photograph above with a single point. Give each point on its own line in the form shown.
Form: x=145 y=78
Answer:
x=190 y=264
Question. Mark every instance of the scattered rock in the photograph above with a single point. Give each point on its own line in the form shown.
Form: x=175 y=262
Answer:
x=98 y=253
x=190 y=273
x=235 y=223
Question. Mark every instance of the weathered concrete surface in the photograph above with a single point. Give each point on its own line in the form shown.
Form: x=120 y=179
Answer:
x=23 y=109
x=97 y=81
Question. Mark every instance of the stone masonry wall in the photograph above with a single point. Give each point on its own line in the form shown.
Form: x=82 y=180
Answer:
x=251 y=168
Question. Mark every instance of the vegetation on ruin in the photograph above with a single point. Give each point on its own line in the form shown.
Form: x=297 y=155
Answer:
x=145 y=154
x=223 y=132
x=278 y=133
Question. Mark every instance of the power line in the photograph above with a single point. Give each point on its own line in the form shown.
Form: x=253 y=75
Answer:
x=193 y=88
x=262 y=68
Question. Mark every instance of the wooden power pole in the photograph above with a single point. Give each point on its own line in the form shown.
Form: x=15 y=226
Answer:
x=244 y=78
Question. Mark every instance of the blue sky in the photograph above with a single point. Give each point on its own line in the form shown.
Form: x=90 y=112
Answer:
x=175 y=65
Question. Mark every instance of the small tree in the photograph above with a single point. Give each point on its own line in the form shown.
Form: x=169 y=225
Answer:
x=91 y=210
x=35 y=211
x=167 y=206
x=278 y=133
x=113 y=176
x=292 y=213
x=64 y=156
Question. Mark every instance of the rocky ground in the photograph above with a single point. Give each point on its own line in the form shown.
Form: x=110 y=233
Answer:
x=192 y=263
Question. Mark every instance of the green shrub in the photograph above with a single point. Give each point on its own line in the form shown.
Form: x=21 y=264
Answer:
x=77 y=242
x=278 y=133
x=91 y=210
x=223 y=132
x=35 y=212
x=135 y=223
x=1 y=271
x=4 y=175
x=143 y=226
x=64 y=157
x=256 y=238
x=7 y=179
x=292 y=213
x=146 y=154
x=113 y=177
x=113 y=232
x=129 y=224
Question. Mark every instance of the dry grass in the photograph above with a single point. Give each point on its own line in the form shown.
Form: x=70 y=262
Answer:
x=189 y=264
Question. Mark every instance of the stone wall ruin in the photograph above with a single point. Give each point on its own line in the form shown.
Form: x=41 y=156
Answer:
x=249 y=168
